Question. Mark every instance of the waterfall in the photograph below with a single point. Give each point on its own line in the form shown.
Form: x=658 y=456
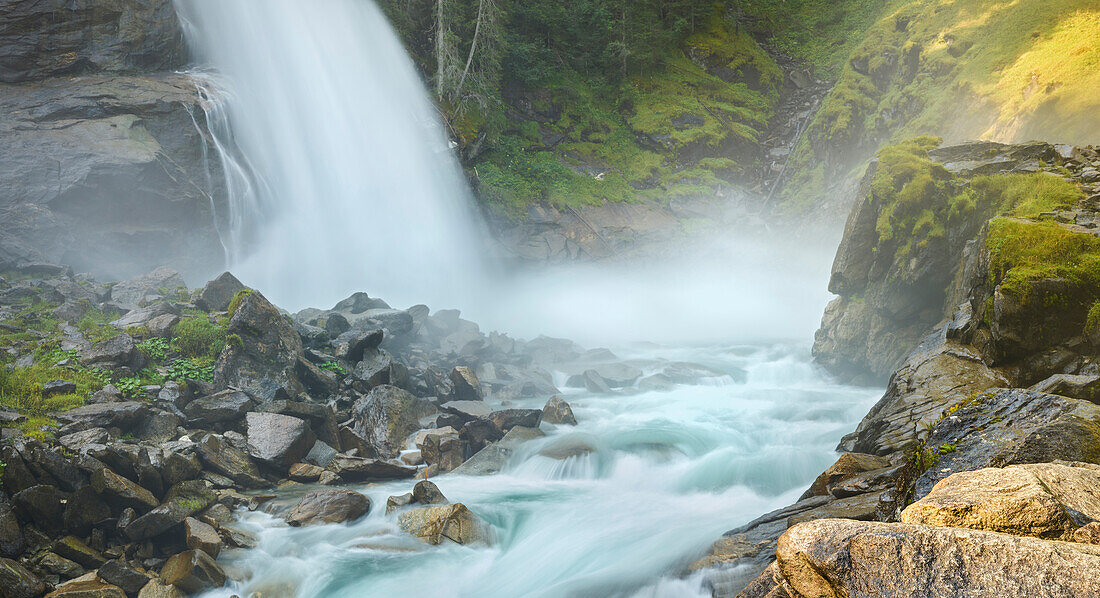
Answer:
x=353 y=182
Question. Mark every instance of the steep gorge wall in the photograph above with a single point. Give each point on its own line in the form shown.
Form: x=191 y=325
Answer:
x=103 y=155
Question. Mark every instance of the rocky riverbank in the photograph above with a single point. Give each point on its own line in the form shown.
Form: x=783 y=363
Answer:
x=988 y=433
x=139 y=416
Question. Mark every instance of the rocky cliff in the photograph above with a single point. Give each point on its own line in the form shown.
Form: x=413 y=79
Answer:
x=104 y=163
x=914 y=239
x=1003 y=240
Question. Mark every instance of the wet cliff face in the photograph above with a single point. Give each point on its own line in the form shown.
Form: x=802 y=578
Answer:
x=40 y=39
x=103 y=164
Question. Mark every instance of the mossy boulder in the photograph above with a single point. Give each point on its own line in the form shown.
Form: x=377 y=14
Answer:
x=263 y=363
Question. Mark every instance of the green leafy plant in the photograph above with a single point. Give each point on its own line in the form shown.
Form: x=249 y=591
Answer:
x=155 y=348
x=199 y=338
x=131 y=387
x=189 y=369
x=334 y=367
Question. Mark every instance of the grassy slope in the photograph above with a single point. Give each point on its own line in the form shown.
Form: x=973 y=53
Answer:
x=189 y=354
x=620 y=143
x=960 y=69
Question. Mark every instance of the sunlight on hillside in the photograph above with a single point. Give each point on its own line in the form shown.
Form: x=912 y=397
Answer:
x=1053 y=86
x=959 y=69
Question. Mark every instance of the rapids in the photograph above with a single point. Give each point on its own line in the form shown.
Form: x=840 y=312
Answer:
x=341 y=180
x=665 y=475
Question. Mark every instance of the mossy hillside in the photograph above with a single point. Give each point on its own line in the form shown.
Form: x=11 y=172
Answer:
x=820 y=32
x=975 y=69
x=920 y=202
x=679 y=130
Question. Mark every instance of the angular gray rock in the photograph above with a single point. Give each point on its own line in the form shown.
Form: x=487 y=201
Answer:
x=182 y=501
x=467 y=410
x=193 y=571
x=135 y=291
x=385 y=418
x=506 y=419
x=359 y=469
x=142 y=316
x=277 y=440
x=115 y=352
x=17 y=582
x=223 y=458
x=558 y=412
x=264 y=361
x=216 y=294
x=222 y=407
x=466 y=385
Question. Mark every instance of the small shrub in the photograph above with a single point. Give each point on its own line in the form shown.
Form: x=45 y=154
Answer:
x=334 y=367
x=199 y=338
x=95 y=326
x=1092 y=323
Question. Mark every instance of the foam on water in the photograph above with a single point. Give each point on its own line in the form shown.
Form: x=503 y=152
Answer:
x=666 y=473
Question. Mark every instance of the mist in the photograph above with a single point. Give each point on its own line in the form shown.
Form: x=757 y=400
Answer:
x=746 y=285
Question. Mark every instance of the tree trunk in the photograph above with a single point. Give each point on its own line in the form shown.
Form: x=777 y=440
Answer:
x=473 y=48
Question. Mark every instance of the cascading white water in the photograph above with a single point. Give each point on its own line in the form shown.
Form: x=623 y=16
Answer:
x=352 y=183
x=615 y=507
x=341 y=179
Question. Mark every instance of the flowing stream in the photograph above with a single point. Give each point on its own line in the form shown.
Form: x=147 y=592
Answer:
x=341 y=179
x=647 y=482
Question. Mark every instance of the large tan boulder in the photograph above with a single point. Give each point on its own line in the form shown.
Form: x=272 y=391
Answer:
x=1046 y=500
x=830 y=558
x=453 y=522
x=87 y=586
x=193 y=571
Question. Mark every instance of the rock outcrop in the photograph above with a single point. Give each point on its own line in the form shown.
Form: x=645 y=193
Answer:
x=965 y=272
x=897 y=265
x=834 y=557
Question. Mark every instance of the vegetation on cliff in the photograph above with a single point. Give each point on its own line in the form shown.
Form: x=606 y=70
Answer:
x=921 y=200
x=601 y=100
x=987 y=69
x=1024 y=252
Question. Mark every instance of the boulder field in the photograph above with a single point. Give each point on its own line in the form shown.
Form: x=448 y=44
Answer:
x=138 y=416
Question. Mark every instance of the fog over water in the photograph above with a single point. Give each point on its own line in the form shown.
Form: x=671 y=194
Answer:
x=343 y=181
